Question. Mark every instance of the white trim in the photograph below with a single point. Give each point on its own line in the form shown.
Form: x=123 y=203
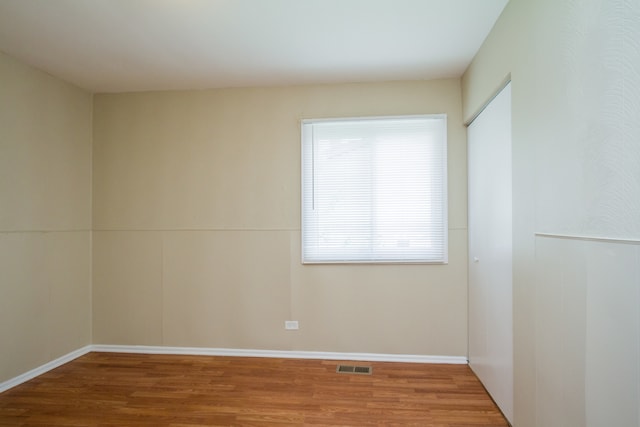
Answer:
x=198 y=351
x=203 y=351
x=589 y=238
x=501 y=86
x=373 y=118
x=6 y=385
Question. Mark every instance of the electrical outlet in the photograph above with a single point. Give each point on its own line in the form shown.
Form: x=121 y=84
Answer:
x=291 y=324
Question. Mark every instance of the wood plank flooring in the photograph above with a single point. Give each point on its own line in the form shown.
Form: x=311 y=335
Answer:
x=112 y=389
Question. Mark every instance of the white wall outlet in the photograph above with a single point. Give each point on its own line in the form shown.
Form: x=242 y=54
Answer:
x=291 y=325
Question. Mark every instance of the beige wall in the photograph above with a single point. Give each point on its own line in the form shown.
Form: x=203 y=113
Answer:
x=576 y=132
x=45 y=218
x=197 y=226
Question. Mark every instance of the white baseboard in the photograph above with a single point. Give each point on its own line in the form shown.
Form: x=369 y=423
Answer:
x=368 y=357
x=44 y=368
x=198 y=351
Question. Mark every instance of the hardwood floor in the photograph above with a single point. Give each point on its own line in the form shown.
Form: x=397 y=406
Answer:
x=109 y=389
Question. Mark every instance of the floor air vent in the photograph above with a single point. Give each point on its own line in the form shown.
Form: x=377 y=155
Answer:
x=350 y=369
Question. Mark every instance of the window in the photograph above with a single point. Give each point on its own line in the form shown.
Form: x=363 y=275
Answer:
x=374 y=190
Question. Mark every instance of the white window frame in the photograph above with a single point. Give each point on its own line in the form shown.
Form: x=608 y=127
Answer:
x=305 y=129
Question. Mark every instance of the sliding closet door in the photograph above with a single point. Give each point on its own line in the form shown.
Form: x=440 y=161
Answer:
x=490 y=250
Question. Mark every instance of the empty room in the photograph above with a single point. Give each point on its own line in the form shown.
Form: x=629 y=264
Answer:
x=320 y=212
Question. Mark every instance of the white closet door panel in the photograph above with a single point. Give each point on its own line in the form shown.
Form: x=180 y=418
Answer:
x=490 y=250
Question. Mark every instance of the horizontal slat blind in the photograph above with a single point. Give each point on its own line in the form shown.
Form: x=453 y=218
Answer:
x=374 y=190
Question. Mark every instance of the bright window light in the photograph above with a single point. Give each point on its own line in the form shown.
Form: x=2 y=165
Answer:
x=374 y=190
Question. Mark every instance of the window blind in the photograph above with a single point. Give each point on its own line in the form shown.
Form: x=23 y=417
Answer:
x=374 y=190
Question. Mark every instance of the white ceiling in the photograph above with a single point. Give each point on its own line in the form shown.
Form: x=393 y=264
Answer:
x=136 y=45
